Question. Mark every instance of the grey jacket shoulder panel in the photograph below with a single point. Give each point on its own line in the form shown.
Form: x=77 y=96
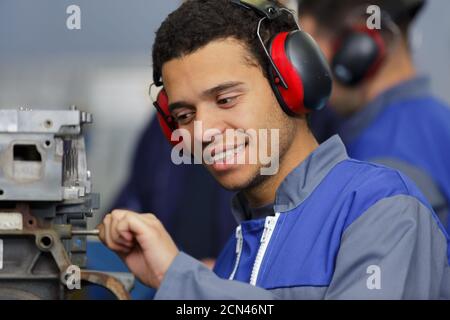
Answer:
x=425 y=183
x=395 y=250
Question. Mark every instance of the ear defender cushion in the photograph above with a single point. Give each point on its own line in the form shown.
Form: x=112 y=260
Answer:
x=166 y=121
x=305 y=71
x=358 y=55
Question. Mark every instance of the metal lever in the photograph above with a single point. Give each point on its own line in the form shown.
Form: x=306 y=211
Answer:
x=94 y=232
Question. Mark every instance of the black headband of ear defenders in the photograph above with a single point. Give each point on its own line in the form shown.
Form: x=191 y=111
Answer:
x=265 y=8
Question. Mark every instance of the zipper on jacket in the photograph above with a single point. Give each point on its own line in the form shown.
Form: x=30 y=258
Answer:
x=269 y=226
x=239 y=243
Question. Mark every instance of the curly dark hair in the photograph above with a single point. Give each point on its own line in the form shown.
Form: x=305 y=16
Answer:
x=198 y=22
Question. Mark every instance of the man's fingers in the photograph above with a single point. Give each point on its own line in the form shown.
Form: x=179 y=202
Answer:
x=123 y=237
x=139 y=226
x=127 y=236
x=106 y=237
x=116 y=216
x=121 y=229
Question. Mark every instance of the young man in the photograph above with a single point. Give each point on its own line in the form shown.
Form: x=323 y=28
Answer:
x=323 y=226
x=389 y=116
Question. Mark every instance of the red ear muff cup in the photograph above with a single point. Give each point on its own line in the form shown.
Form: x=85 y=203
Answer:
x=305 y=71
x=166 y=121
x=290 y=99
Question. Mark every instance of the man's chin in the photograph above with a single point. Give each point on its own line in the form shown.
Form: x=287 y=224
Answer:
x=235 y=180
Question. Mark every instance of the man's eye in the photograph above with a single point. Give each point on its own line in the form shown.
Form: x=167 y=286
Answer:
x=183 y=117
x=225 y=101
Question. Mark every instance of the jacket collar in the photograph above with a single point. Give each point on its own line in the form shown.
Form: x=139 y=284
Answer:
x=301 y=181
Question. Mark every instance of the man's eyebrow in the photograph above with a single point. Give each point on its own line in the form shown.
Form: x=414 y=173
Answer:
x=208 y=92
x=221 y=87
x=178 y=105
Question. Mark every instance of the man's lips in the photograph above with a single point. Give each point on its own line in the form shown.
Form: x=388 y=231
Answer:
x=220 y=154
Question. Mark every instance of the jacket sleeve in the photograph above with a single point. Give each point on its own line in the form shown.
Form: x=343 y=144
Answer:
x=395 y=250
x=188 y=279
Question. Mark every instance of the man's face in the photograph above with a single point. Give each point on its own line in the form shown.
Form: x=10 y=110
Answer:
x=218 y=86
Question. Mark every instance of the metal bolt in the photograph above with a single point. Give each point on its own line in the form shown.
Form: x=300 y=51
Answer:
x=94 y=232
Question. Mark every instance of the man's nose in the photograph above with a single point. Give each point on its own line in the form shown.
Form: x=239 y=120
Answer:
x=208 y=125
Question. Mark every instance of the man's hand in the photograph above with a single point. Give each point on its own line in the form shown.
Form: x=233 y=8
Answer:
x=142 y=243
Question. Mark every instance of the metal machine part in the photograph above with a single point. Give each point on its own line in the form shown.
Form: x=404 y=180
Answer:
x=45 y=200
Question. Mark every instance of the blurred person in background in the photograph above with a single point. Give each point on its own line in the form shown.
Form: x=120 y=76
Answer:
x=383 y=111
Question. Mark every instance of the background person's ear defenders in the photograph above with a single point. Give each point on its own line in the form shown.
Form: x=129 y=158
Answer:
x=359 y=51
x=358 y=55
x=298 y=72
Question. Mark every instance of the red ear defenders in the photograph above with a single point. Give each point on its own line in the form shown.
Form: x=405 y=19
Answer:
x=358 y=55
x=298 y=71
x=166 y=121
